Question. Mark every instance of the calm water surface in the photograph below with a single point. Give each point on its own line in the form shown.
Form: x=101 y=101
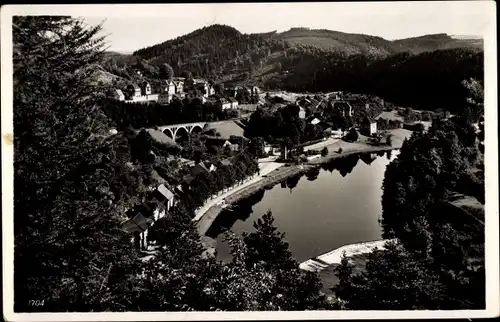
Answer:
x=335 y=205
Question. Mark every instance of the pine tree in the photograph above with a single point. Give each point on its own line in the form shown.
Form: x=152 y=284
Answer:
x=71 y=182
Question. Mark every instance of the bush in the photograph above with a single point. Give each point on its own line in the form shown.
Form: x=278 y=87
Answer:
x=388 y=140
x=324 y=152
x=352 y=135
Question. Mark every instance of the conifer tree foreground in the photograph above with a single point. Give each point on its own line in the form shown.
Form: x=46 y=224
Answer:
x=71 y=182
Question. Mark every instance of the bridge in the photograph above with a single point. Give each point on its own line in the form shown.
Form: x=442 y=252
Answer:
x=175 y=130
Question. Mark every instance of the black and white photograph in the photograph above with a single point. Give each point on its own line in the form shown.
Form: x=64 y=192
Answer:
x=215 y=161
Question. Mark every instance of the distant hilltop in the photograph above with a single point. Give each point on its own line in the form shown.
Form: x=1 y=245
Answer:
x=472 y=37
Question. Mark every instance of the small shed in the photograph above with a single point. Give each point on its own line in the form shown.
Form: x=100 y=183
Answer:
x=369 y=126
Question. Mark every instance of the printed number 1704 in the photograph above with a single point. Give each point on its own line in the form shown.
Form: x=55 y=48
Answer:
x=37 y=302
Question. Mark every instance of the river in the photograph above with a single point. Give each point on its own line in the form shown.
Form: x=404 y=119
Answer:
x=329 y=207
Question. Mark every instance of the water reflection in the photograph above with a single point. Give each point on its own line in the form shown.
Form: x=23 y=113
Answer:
x=368 y=158
x=344 y=165
x=293 y=181
x=228 y=217
x=328 y=209
x=313 y=174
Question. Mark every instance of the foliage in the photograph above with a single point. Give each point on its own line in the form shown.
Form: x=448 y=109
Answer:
x=352 y=135
x=282 y=126
x=393 y=280
x=425 y=81
x=388 y=140
x=440 y=248
x=276 y=282
x=71 y=178
x=166 y=72
x=209 y=51
x=324 y=152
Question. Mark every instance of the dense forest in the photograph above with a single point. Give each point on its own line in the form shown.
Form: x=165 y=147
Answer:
x=430 y=80
x=211 y=51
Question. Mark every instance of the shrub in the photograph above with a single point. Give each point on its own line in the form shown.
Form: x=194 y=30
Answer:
x=324 y=152
x=352 y=135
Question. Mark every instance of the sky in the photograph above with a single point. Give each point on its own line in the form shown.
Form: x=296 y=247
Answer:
x=131 y=27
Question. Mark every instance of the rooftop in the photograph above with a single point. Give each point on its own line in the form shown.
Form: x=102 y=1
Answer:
x=166 y=192
x=225 y=128
x=161 y=137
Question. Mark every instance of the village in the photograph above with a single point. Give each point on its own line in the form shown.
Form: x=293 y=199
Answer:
x=178 y=88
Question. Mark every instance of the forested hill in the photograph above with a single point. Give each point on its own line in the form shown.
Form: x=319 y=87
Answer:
x=352 y=44
x=435 y=42
x=423 y=72
x=341 y=42
x=430 y=80
x=211 y=51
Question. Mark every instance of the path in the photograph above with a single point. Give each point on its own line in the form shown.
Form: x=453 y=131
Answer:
x=321 y=144
x=265 y=168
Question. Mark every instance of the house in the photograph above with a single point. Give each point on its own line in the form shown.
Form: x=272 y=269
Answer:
x=118 y=95
x=202 y=167
x=202 y=86
x=145 y=88
x=369 y=126
x=132 y=91
x=224 y=104
x=338 y=133
x=315 y=121
x=169 y=87
x=343 y=107
x=234 y=103
x=273 y=149
x=231 y=146
x=138 y=225
x=211 y=90
x=179 y=86
x=166 y=195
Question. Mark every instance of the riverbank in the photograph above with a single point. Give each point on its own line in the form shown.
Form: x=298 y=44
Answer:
x=279 y=174
x=325 y=265
x=323 y=261
x=361 y=146
x=266 y=181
